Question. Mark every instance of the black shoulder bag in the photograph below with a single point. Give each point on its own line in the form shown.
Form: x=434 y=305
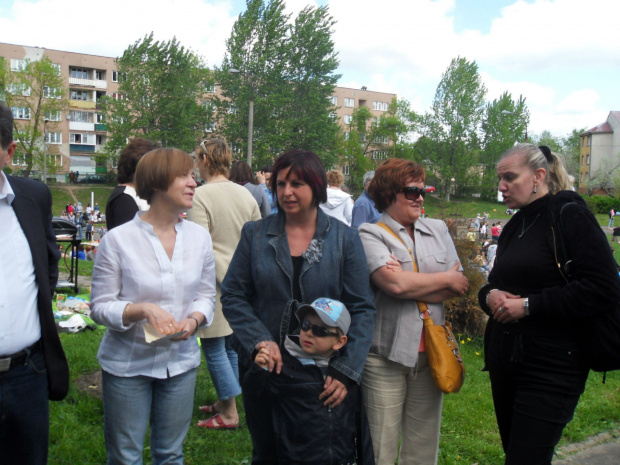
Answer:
x=599 y=336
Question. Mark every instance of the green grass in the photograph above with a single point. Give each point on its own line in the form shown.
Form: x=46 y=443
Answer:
x=61 y=196
x=468 y=434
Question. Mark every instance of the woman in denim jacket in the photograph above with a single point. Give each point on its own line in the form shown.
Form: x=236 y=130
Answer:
x=287 y=259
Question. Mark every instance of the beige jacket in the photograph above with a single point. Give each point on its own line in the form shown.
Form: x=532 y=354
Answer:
x=222 y=208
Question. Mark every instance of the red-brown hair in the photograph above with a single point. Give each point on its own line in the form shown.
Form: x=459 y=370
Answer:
x=390 y=177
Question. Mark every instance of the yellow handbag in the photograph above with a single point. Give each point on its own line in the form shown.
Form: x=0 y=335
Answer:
x=442 y=348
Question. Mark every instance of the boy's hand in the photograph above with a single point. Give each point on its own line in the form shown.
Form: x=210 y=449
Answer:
x=335 y=392
x=262 y=358
x=275 y=357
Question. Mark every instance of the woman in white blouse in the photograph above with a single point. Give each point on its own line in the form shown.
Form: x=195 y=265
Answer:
x=155 y=272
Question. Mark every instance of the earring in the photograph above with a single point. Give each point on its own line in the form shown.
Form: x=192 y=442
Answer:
x=534 y=188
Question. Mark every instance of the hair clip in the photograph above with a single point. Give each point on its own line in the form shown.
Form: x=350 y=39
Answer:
x=546 y=151
x=203 y=147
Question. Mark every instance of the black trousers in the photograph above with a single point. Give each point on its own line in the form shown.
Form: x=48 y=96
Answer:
x=536 y=383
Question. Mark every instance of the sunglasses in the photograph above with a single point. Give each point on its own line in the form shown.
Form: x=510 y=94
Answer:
x=317 y=330
x=413 y=192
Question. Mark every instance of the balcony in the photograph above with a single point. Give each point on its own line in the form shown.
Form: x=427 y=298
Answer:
x=75 y=126
x=81 y=148
x=82 y=104
x=96 y=83
x=100 y=127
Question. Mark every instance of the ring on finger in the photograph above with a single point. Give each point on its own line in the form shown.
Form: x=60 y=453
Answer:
x=170 y=325
x=500 y=310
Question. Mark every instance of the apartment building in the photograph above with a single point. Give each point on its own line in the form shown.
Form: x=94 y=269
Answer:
x=73 y=138
x=600 y=149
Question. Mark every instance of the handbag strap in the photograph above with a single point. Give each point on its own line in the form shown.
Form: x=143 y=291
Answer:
x=421 y=305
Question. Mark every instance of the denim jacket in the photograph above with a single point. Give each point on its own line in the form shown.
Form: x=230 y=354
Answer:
x=257 y=290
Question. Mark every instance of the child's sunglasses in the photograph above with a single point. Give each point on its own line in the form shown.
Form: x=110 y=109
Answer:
x=317 y=330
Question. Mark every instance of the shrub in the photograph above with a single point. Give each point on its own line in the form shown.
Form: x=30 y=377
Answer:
x=601 y=203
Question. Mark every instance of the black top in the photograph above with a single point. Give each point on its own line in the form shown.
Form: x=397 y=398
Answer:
x=527 y=266
x=120 y=208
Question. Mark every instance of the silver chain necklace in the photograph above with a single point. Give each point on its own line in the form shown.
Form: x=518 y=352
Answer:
x=524 y=229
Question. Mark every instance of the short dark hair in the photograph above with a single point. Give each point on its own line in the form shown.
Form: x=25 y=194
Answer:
x=241 y=173
x=158 y=168
x=6 y=125
x=390 y=177
x=307 y=166
x=130 y=156
x=266 y=168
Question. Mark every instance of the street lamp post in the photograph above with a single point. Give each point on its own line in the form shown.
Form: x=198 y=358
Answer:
x=44 y=152
x=250 y=113
x=506 y=112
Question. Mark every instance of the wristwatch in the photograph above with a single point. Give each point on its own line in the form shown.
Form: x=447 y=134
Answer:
x=526 y=306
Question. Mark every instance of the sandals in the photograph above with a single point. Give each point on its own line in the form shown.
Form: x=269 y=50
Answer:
x=209 y=409
x=216 y=422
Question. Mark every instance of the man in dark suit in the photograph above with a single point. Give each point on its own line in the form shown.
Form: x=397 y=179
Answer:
x=33 y=366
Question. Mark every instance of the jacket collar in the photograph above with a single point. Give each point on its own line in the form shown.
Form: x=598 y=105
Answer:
x=323 y=223
x=419 y=226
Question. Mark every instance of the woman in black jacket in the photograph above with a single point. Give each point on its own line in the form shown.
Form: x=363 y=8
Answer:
x=536 y=368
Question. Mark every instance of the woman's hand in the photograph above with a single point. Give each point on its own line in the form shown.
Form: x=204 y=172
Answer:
x=159 y=318
x=334 y=393
x=275 y=357
x=505 y=307
x=457 y=282
x=190 y=326
x=262 y=358
x=393 y=264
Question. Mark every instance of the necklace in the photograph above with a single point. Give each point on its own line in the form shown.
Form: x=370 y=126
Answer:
x=524 y=229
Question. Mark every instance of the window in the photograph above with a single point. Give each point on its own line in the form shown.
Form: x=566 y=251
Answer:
x=21 y=112
x=381 y=106
x=17 y=89
x=589 y=140
x=51 y=92
x=52 y=115
x=17 y=65
x=80 y=95
x=209 y=127
x=117 y=96
x=208 y=87
x=19 y=159
x=114 y=76
x=100 y=74
x=87 y=139
x=333 y=100
x=58 y=68
x=378 y=155
x=587 y=159
x=78 y=116
x=79 y=73
x=375 y=122
x=53 y=137
x=347 y=135
x=345 y=170
x=333 y=115
x=381 y=140
x=348 y=119
x=99 y=118
x=349 y=102
x=54 y=160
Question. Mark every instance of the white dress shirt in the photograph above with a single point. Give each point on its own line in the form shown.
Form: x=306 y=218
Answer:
x=133 y=267
x=19 y=318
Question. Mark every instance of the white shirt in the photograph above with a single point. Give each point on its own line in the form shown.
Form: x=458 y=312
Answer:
x=19 y=317
x=133 y=267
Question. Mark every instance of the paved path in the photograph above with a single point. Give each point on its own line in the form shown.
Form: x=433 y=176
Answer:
x=592 y=451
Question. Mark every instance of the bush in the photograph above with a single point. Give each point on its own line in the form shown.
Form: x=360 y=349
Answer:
x=464 y=313
x=602 y=203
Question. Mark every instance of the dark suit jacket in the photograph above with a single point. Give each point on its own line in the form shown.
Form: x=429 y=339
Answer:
x=33 y=208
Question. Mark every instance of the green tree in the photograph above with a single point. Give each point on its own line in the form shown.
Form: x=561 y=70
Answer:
x=369 y=140
x=36 y=94
x=286 y=71
x=505 y=123
x=571 y=149
x=161 y=88
x=452 y=129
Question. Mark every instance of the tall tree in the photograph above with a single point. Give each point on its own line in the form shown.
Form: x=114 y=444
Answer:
x=458 y=108
x=571 y=148
x=286 y=70
x=161 y=88
x=37 y=96
x=505 y=123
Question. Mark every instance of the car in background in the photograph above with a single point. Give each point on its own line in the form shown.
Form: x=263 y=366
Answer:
x=430 y=189
x=93 y=179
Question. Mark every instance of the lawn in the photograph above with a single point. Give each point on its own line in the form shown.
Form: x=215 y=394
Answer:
x=468 y=436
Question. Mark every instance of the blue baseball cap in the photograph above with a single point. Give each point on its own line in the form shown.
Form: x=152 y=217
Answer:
x=331 y=312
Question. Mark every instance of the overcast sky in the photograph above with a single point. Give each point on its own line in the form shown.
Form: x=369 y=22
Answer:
x=563 y=56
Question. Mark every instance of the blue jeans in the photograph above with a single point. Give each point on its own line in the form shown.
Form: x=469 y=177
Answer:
x=128 y=403
x=24 y=413
x=223 y=366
